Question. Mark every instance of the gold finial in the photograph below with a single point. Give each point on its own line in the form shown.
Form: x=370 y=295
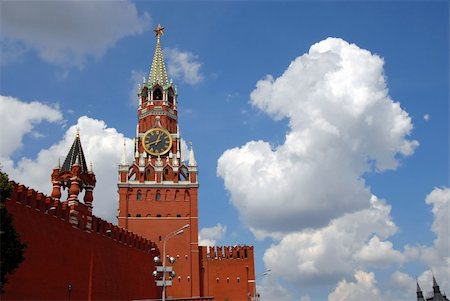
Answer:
x=159 y=31
x=78 y=132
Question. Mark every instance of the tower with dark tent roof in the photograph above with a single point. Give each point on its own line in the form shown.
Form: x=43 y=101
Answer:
x=75 y=176
x=435 y=295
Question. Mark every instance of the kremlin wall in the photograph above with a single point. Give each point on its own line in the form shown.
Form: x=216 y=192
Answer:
x=105 y=263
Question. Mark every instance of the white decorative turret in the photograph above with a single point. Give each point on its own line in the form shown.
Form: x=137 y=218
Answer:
x=136 y=147
x=124 y=154
x=175 y=163
x=192 y=162
x=141 y=163
x=159 y=165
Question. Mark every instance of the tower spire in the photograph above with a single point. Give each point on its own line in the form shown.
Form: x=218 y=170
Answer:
x=75 y=156
x=158 y=72
x=419 y=292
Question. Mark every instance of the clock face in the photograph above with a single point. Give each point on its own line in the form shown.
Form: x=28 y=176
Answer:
x=157 y=141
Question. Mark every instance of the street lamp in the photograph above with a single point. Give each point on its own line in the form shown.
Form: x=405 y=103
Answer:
x=265 y=273
x=163 y=268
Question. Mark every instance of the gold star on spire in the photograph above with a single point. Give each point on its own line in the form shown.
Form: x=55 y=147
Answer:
x=159 y=31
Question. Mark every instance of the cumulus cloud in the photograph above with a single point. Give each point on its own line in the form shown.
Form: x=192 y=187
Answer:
x=183 y=65
x=270 y=290
x=68 y=32
x=325 y=255
x=102 y=146
x=379 y=253
x=439 y=198
x=210 y=236
x=401 y=287
x=342 y=124
x=437 y=256
x=364 y=288
x=137 y=77
x=15 y=126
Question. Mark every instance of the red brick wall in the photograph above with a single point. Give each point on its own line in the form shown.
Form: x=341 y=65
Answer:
x=227 y=273
x=114 y=265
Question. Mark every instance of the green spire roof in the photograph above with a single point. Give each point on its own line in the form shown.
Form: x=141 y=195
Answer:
x=158 y=71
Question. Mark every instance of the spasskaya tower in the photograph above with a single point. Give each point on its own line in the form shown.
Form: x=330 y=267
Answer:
x=158 y=190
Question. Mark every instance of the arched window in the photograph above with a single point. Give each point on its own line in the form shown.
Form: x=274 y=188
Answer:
x=158 y=195
x=157 y=94
x=167 y=174
x=139 y=195
x=184 y=174
x=170 y=96
x=144 y=95
x=148 y=175
x=138 y=215
x=187 y=196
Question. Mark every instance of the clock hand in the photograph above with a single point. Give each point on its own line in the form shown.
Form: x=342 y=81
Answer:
x=157 y=140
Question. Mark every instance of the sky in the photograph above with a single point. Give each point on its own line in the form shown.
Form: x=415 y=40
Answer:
x=320 y=129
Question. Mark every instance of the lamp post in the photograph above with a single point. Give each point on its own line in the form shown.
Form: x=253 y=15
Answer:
x=69 y=289
x=265 y=273
x=163 y=268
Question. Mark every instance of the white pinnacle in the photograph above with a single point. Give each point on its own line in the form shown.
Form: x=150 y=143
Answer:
x=192 y=161
x=124 y=154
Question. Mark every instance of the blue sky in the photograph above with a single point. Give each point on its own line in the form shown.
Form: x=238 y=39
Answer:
x=78 y=64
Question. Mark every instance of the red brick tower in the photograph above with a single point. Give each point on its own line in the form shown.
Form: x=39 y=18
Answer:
x=158 y=191
x=75 y=176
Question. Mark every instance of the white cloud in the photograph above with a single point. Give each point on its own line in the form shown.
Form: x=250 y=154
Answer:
x=270 y=290
x=437 y=256
x=439 y=198
x=137 y=78
x=401 y=287
x=363 y=289
x=183 y=65
x=68 y=32
x=379 y=253
x=102 y=146
x=323 y=256
x=210 y=236
x=426 y=117
x=343 y=124
x=15 y=125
